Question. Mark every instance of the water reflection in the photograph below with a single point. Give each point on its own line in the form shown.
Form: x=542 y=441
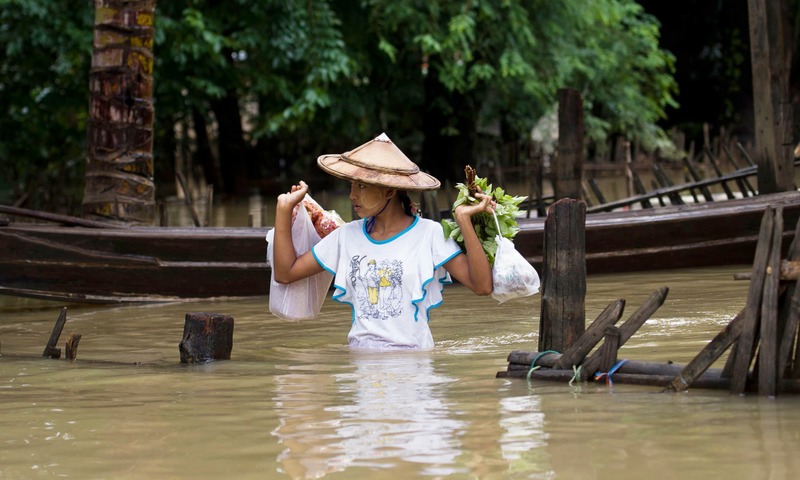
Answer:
x=388 y=408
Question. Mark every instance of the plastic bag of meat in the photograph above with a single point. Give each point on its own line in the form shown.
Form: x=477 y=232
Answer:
x=300 y=300
x=324 y=221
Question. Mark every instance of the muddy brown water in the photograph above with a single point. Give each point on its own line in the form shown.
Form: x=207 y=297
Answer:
x=294 y=402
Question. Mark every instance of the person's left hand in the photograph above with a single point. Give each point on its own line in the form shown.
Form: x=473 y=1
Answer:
x=486 y=204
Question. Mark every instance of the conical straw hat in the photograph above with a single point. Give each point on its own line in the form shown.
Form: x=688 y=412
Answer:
x=378 y=162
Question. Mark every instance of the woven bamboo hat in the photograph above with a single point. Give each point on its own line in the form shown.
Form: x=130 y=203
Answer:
x=378 y=162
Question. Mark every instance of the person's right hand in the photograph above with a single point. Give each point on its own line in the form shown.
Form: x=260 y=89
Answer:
x=293 y=197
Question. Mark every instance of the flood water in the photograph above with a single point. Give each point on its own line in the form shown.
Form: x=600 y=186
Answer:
x=295 y=403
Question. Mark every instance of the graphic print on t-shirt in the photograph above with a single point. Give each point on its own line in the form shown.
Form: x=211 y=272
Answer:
x=378 y=287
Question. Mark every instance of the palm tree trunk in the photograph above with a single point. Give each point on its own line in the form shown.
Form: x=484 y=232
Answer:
x=119 y=162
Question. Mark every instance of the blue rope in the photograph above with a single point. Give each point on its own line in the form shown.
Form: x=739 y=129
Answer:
x=533 y=363
x=599 y=375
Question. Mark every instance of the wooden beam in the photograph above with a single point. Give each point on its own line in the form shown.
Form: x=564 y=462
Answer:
x=747 y=341
x=768 y=351
x=575 y=354
x=626 y=331
x=707 y=356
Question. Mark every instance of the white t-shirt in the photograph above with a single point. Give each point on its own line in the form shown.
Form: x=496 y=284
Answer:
x=390 y=284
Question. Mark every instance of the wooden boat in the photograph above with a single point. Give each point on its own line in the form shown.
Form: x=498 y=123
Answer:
x=84 y=261
x=74 y=260
x=677 y=236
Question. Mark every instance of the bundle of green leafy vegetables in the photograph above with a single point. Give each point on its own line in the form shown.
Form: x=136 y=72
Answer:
x=506 y=209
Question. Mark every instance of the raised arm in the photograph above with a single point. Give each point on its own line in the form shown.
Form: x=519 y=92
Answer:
x=473 y=269
x=286 y=265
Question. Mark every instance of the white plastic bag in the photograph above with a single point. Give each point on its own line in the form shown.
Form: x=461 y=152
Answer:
x=512 y=275
x=300 y=300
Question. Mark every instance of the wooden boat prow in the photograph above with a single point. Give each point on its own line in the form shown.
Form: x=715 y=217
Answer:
x=139 y=264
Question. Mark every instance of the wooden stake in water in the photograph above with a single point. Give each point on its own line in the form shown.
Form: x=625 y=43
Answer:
x=50 y=349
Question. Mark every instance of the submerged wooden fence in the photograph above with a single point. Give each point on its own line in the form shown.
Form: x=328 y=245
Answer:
x=762 y=338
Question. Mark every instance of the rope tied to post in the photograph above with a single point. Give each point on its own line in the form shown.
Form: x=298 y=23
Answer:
x=599 y=375
x=576 y=374
x=533 y=363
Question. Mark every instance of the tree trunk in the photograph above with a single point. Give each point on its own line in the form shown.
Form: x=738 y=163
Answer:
x=771 y=57
x=445 y=156
x=119 y=161
x=233 y=151
x=203 y=155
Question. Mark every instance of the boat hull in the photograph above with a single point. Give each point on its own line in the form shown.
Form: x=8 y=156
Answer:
x=163 y=264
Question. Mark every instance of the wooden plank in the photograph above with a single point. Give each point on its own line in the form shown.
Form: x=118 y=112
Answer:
x=713 y=161
x=768 y=351
x=54 y=217
x=627 y=329
x=708 y=355
x=575 y=354
x=690 y=167
x=789 y=337
x=596 y=190
x=747 y=341
x=638 y=188
x=750 y=190
x=47 y=249
x=664 y=181
x=790 y=311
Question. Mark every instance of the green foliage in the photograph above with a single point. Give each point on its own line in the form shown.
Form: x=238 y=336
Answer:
x=506 y=210
x=43 y=96
x=314 y=77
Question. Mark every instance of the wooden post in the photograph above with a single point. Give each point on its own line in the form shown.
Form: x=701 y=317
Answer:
x=206 y=337
x=563 y=315
x=768 y=351
x=50 y=349
x=771 y=55
x=568 y=168
x=741 y=356
x=608 y=351
x=71 y=351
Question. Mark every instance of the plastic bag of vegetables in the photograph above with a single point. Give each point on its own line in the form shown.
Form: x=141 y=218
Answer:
x=513 y=276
